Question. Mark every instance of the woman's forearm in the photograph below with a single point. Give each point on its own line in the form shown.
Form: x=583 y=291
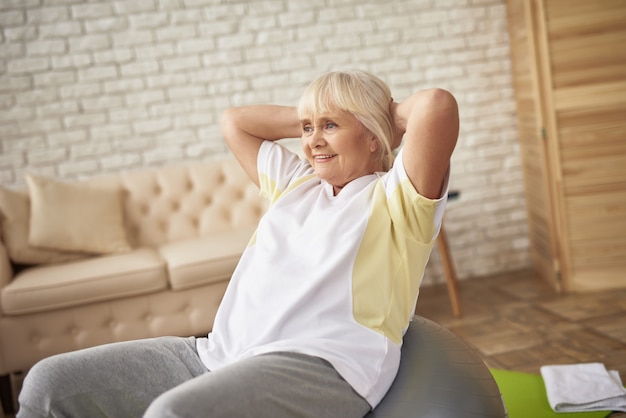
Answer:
x=267 y=122
x=401 y=112
x=245 y=129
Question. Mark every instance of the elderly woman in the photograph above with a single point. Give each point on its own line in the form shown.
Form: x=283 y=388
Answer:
x=313 y=318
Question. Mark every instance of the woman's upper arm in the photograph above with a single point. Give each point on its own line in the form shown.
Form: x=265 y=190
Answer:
x=432 y=128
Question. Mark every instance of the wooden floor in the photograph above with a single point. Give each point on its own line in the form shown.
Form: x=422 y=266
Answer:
x=516 y=322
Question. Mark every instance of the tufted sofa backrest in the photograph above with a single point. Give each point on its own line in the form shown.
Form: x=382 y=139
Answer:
x=184 y=201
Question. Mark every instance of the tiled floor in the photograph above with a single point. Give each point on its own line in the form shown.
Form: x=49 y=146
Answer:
x=518 y=323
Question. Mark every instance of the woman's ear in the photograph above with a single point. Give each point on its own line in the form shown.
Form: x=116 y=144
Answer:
x=374 y=144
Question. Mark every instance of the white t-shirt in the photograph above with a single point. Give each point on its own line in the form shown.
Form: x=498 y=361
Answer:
x=335 y=277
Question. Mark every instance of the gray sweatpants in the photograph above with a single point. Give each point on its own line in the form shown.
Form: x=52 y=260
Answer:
x=164 y=377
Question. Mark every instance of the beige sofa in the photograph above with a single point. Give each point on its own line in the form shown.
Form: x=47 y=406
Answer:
x=136 y=255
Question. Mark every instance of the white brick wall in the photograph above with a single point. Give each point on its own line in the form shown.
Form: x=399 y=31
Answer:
x=88 y=88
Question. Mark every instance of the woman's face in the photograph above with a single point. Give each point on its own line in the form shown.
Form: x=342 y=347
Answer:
x=339 y=148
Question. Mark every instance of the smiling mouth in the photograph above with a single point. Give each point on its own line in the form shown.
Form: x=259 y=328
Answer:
x=323 y=157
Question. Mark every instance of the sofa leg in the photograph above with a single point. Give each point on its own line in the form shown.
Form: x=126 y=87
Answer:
x=6 y=394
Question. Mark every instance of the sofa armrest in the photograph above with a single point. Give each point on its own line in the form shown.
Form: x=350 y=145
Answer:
x=6 y=269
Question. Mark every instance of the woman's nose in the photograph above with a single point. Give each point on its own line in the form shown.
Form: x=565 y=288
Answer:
x=316 y=139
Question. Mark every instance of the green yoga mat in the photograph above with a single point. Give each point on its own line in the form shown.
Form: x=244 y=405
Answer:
x=525 y=397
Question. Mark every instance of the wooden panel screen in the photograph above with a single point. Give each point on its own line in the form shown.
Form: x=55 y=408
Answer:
x=533 y=153
x=587 y=55
x=569 y=67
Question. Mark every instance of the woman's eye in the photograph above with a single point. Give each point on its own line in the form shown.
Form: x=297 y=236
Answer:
x=307 y=129
x=330 y=125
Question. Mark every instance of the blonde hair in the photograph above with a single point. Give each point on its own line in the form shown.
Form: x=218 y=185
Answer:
x=360 y=93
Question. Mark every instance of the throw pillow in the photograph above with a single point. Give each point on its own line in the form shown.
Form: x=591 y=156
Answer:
x=14 y=220
x=76 y=217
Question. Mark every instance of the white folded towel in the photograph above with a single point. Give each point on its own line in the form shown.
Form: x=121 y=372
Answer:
x=583 y=387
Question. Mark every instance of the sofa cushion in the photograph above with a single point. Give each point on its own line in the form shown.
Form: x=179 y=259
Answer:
x=14 y=220
x=81 y=282
x=208 y=259
x=76 y=217
x=185 y=201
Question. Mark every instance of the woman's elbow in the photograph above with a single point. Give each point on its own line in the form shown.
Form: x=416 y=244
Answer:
x=439 y=99
x=227 y=120
x=229 y=124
